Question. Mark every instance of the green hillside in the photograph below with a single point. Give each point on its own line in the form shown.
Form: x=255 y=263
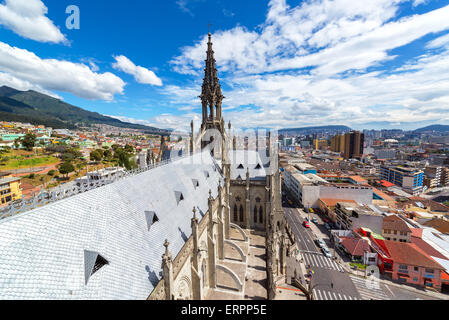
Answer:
x=37 y=108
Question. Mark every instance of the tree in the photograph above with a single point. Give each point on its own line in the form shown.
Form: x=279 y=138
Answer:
x=66 y=168
x=68 y=156
x=80 y=166
x=29 y=141
x=17 y=143
x=75 y=152
x=107 y=154
x=96 y=156
x=129 y=149
x=123 y=159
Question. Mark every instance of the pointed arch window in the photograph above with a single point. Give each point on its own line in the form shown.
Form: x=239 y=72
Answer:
x=255 y=214
x=241 y=213
x=235 y=213
x=260 y=214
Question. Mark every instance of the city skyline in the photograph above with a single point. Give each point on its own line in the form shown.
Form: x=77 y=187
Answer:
x=284 y=64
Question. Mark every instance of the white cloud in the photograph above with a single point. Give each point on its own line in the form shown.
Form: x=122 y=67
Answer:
x=28 y=19
x=419 y=2
x=186 y=5
x=141 y=74
x=439 y=42
x=10 y=81
x=309 y=65
x=59 y=75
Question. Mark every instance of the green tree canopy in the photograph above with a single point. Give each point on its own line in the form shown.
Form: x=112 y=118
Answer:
x=66 y=168
x=96 y=155
x=29 y=141
x=129 y=148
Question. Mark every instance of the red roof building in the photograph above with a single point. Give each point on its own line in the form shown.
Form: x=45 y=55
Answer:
x=412 y=265
x=386 y=184
x=355 y=247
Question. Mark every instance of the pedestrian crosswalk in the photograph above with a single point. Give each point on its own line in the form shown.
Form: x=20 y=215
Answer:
x=321 y=261
x=369 y=289
x=320 y=294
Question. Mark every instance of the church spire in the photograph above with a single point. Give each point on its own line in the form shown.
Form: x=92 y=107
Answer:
x=211 y=96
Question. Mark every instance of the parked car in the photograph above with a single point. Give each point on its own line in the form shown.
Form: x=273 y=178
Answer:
x=326 y=252
x=327 y=226
x=320 y=243
x=306 y=225
x=315 y=220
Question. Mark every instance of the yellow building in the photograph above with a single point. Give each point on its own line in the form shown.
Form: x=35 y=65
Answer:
x=10 y=189
x=338 y=143
x=320 y=144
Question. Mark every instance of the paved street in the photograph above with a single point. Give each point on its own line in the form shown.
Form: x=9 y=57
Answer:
x=318 y=260
x=330 y=281
x=369 y=290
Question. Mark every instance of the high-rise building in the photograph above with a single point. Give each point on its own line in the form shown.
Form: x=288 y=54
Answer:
x=410 y=179
x=338 y=143
x=433 y=175
x=319 y=144
x=353 y=147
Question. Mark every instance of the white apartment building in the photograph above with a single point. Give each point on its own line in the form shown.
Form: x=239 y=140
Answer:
x=307 y=189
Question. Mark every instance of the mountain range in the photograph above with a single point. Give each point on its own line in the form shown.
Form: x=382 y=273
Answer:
x=40 y=109
x=435 y=127
x=312 y=130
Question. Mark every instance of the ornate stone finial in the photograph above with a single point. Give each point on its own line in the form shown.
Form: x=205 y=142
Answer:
x=210 y=194
x=166 y=244
x=194 y=213
x=229 y=125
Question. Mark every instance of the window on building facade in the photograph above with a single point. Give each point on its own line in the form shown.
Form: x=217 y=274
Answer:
x=255 y=214
x=429 y=270
x=235 y=213
x=241 y=213
x=260 y=215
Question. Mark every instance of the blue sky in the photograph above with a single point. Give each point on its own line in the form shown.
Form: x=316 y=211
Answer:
x=366 y=64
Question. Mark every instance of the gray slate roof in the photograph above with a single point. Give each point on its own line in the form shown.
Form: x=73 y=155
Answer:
x=242 y=160
x=51 y=252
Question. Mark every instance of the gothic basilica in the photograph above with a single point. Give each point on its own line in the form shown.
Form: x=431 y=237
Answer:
x=208 y=225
